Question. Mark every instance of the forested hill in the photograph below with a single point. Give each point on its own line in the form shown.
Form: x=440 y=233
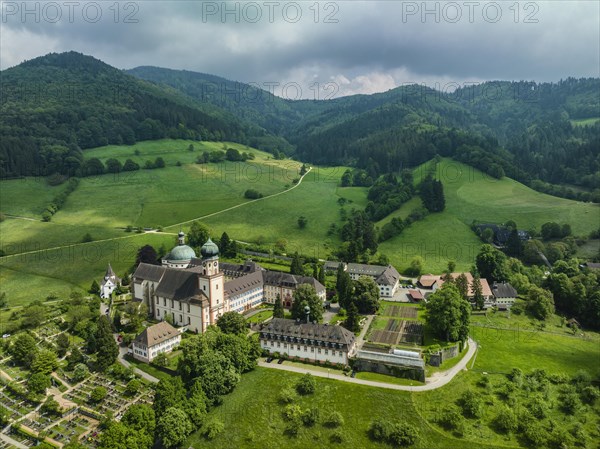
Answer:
x=545 y=135
x=535 y=133
x=56 y=105
x=246 y=101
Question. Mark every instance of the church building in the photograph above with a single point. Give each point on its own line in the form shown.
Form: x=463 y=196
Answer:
x=109 y=283
x=195 y=292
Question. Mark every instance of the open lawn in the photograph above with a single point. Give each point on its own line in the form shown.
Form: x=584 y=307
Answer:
x=254 y=419
x=471 y=195
x=33 y=276
x=102 y=206
x=277 y=218
x=248 y=408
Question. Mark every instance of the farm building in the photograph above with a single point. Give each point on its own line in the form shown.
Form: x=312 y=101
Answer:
x=428 y=281
x=386 y=278
x=415 y=295
x=504 y=294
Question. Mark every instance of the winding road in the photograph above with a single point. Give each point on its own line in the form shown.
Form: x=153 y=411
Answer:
x=438 y=380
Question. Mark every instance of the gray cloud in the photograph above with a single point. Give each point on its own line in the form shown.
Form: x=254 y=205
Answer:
x=362 y=46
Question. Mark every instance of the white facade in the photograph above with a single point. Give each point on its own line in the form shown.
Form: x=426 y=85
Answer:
x=156 y=339
x=301 y=351
x=310 y=342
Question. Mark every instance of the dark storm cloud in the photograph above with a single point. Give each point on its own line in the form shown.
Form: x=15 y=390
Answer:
x=369 y=46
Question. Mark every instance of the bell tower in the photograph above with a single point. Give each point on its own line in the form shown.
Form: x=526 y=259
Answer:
x=211 y=282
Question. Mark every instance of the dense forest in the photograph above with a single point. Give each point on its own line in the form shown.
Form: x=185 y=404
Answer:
x=57 y=105
x=524 y=130
x=544 y=135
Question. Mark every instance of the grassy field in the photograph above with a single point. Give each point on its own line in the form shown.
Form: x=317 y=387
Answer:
x=248 y=408
x=102 y=206
x=472 y=195
x=276 y=218
x=254 y=419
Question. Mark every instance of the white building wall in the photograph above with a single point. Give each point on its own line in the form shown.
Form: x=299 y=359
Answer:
x=313 y=353
x=184 y=314
x=251 y=298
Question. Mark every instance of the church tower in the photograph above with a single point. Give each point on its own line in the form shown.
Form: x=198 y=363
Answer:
x=211 y=283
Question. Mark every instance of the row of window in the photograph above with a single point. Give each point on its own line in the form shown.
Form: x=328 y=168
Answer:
x=301 y=340
x=180 y=321
x=312 y=348
x=172 y=304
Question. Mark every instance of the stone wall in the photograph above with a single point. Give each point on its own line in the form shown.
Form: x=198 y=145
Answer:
x=441 y=356
x=405 y=372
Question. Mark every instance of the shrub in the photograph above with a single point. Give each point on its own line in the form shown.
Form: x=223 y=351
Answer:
x=403 y=434
x=293 y=428
x=471 y=404
x=292 y=412
x=589 y=395
x=379 y=429
x=287 y=395
x=337 y=437
x=535 y=435
x=451 y=419
x=98 y=394
x=133 y=386
x=569 y=403
x=538 y=407
x=334 y=419
x=310 y=416
x=396 y=434
x=213 y=428
x=252 y=194
x=505 y=421
x=306 y=385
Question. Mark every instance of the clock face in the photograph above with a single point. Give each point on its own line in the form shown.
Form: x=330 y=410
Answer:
x=215 y=264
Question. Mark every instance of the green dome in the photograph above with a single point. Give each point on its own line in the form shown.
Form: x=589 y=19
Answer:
x=209 y=249
x=181 y=252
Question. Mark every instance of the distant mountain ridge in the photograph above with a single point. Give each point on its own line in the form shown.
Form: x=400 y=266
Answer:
x=525 y=130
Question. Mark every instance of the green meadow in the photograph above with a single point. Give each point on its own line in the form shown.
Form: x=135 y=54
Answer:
x=472 y=195
x=248 y=408
x=172 y=197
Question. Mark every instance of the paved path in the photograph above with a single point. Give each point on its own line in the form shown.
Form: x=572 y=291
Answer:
x=361 y=337
x=126 y=364
x=12 y=442
x=438 y=380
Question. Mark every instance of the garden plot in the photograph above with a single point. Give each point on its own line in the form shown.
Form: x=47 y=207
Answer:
x=399 y=331
x=402 y=312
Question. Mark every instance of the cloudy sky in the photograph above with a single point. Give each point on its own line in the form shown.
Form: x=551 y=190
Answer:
x=320 y=48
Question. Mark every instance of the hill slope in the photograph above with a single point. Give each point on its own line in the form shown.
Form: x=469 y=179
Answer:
x=56 y=105
x=472 y=195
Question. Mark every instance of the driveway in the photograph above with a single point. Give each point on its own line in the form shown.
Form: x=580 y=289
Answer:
x=126 y=364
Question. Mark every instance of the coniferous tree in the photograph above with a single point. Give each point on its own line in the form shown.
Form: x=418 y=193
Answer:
x=477 y=292
x=321 y=277
x=296 y=267
x=343 y=286
x=106 y=346
x=352 y=318
x=462 y=284
x=278 y=311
